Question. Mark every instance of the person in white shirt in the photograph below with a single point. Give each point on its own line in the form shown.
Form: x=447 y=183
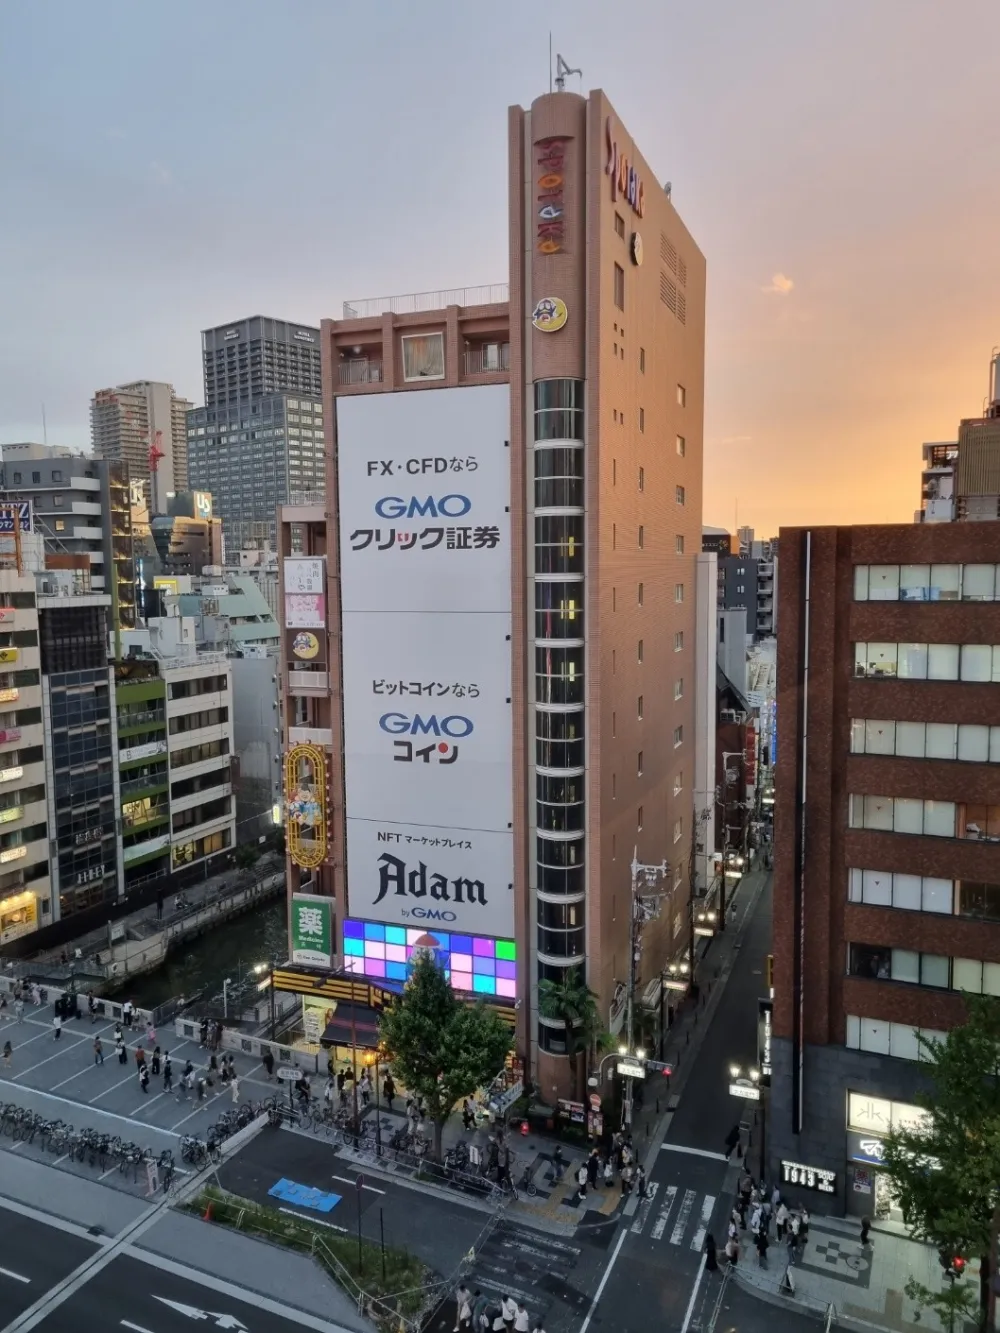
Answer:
x=508 y=1307
x=521 y=1322
x=781 y=1217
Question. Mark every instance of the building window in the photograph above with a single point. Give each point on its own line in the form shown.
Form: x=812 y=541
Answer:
x=976 y=662
x=642 y=536
x=679 y=544
x=619 y=287
x=642 y=479
x=16 y=479
x=678 y=592
x=882 y=963
x=641 y=592
x=639 y=707
x=638 y=764
x=967 y=741
x=908 y=893
x=681 y=446
x=57 y=476
x=640 y=653
x=59 y=501
x=642 y=420
x=36 y=478
x=60 y=525
x=679 y=641
x=979 y=900
x=884 y=1038
x=679 y=688
x=642 y=360
x=903 y=814
x=679 y=495
x=682 y=396
x=678 y=782
x=638 y=822
x=678 y=737
x=619 y=225
x=423 y=356
x=678 y=829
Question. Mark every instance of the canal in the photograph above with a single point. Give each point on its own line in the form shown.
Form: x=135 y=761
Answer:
x=230 y=951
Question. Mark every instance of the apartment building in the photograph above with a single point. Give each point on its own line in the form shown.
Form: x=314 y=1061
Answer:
x=887 y=830
x=143 y=425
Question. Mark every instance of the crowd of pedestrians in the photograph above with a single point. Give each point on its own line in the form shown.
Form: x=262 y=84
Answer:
x=758 y=1207
x=478 y=1313
x=614 y=1160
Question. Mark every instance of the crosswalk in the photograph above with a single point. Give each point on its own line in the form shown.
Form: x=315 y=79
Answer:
x=531 y=1266
x=661 y=1209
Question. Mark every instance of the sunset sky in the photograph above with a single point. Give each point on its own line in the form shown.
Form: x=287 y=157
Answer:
x=168 y=167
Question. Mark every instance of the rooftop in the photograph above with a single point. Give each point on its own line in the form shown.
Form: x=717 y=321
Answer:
x=372 y=306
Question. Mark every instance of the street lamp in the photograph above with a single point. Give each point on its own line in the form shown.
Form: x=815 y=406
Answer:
x=745 y=1082
x=645 y=907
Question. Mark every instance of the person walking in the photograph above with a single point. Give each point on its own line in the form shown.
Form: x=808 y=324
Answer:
x=463 y=1309
x=365 y=1088
x=98 y=1052
x=234 y=1088
x=781 y=1219
x=91 y=1007
x=609 y=1171
x=711 y=1261
x=150 y=1034
x=57 y=1025
x=144 y=1077
x=480 y=1304
x=267 y=1060
x=803 y=1227
x=120 y=1050
x=626 y=1179
x=866 y=1225
x=128 y=1011
x=593 y=1167
x=509 y=1308
x=640 y=1181
x=795 y=1228
x=8 y=1051
x=468 y=1116
x=389 y=1090
x=522 y=1323
x=140 y=1056
x=168 y=1072
x=18 y=1008
x=156 y=1062
x=760 y=1241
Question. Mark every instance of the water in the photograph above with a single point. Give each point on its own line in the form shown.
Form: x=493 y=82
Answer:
x=230 y=951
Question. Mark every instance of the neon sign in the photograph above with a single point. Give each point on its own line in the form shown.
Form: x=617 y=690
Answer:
x=305 y=798
x=551 y=199
x=625 y=180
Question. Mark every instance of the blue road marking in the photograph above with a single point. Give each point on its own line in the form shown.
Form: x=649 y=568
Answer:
x=304 y=1196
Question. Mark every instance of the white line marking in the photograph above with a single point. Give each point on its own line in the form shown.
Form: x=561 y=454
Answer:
x=677 y=1235
x=353 y=1182
x=136 y=1328
x=694 y=1292
x=660 y=1225
x=47 y=1059
x=111 y=1087
x=82 y=1106
x=108 y=1172
x=6 y=1272
x=201 y=1106
x=698 y=1240
x=50 y=1219
x=695 y=1152
x=60 y=1159
x=600 y=1290
x=644 y=1206
x=77 y=1073
x=315 y=1220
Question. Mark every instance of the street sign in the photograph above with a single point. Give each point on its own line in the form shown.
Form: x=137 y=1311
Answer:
x=629 y=1067
x=660 y=1066
x=595 y=1101
x=290 y=1073
x=743 y=1087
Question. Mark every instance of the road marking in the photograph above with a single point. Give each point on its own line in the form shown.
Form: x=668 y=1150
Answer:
x=6 y=1272
x=677 y=1235
x=353 y=1181
x=644 y=1206
x=193 y=1312
x=50 y=1219
x=77 y=1073
x=136 y=1328
x=201 y=1106
x=82 y=1106
x=47 y=1059
x=698 y=1239
x=660 y=1225
x=694 y=1292
x=313 y=1221
x=60 y=1159
x=604 y=1280
x=695 y=1152
x=108 y=1172
x=127 y=1079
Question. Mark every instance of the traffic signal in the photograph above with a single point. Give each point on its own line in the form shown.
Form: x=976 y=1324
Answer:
x=953 y=1264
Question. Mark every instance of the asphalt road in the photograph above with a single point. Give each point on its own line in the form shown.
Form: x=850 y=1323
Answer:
x=33 y=1258
x=651 y=1280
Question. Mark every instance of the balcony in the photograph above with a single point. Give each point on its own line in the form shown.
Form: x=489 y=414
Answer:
x=201 y=797
x=308 y=682
x=310 y=736
x=488 y=359
x=360 y=370
x=142 y=717
x=144 y=786
x=413 y=303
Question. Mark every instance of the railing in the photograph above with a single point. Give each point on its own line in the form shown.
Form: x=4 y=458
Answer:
x=491 y=358
x=145 y=784
x=360 y=370
x=306 y=498
x=413 y=303
x=131 y=719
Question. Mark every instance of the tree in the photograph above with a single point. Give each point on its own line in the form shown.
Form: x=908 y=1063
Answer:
x=246 y=855
x=947 y=1171
x=572 y=1002
x=441 y=1048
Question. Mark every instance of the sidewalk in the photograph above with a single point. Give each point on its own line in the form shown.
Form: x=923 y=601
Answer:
x=864 y=1284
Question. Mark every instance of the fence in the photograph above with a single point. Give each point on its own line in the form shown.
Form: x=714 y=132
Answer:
x=189 y=1029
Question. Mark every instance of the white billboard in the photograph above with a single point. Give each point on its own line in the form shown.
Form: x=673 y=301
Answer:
x=424 y=491
x=304 y=575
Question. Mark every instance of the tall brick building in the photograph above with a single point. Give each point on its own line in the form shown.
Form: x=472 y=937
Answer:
x=887 y=829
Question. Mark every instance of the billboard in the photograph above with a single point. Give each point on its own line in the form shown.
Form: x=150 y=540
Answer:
x=305 y=610
x=424 y=486
x=305 y=805
x=23 y=510
x=312 y=929
x=303 y=575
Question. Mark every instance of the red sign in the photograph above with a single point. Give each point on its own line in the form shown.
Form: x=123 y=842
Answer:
x=11 y=734
x=6 y=615
x=550 y=201
x=625 y=180
x=750 y=755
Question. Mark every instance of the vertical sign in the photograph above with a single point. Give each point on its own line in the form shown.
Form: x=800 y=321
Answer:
x=312 y=930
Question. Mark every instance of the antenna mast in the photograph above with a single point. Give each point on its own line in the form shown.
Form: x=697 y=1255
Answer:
x=562 y=69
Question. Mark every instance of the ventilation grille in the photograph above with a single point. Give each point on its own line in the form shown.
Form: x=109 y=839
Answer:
x=673 y=261
x=674 y=300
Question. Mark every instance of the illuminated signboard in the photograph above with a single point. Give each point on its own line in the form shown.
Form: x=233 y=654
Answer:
x=9 y=774
x=11 y=813
x=12 y=854
x=473 y=964
x=8 y=655
x=550 y=196
x=625 y=180
x=10 y=696
x=305 y=801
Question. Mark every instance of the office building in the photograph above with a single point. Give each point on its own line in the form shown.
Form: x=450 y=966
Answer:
x=717 y=540
x=960 y=480
x=887 y=831
x=144 y=426
x=187 y=538
x=490 y=649
x=259 y=438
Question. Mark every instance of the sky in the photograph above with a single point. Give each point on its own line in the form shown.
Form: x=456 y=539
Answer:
x=167 y=168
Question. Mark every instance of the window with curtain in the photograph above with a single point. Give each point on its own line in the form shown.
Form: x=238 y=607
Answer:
x=423 y=356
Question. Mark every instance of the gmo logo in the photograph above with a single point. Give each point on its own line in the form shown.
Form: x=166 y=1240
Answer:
x=448 y=506
x=401 y=724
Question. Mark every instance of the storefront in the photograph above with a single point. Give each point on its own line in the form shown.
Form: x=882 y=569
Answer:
x=869 y=1191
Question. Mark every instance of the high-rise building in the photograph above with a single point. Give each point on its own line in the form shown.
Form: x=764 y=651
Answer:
x=259 y=438
x=490 y=646
x=144 y=426
x=887 y=832
x=960 y=480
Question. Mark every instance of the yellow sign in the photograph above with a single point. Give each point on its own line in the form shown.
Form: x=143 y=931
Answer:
x=305 y=803
x=11 y=813
x=550 y=314
x=167 y=585
x=305 y=645
x=8 y=654
x=317 y=1015
x=10 y=696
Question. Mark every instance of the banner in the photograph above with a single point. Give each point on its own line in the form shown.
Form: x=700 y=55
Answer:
x=312 y=930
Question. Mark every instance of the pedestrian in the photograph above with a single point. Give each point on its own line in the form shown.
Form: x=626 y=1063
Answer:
x=234 y=1088
x=365 y=1088
x=463 y=1311
x=480 y=1304
x=267 y=1060
x=537 y=1326
x=168 y=1072
x=18 y=1008
x=140 y=1056
x=144 y=1078
x=626 y=1179
x=497 y=1322
x=609 y=1171
x=203 y=1033
x=755 y=1219
x=711 y=1262
x=150 y=1034
x=593 y=1165
x=98 y=1052
x=640 y=1181
x=389 y=1090
x=218 y=1033
x=8 y=1051
x=57 y=1024
x=128 y=1012
x=156 y=1061
x=120 y=1051
x=775 y=1199
x=781 y=1219
x=803 y=1227
x=795 y=1225
x=581 y=1180
x=468 y=1115
x=509 y=1308
x=866 y=1225
x=213 y=1066
x=761 y=1243
x=200 y=1087
x=117 y=1037
x=36 y=994
x=733 y=1250
x=521 y=1321
x=91 y=1007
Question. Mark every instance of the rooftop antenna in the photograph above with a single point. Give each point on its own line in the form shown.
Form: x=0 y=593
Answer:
x=45 y=429
x=550 y=60
x=562 y=69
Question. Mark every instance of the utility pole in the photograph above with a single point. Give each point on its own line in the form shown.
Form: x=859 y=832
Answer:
x=643 y=908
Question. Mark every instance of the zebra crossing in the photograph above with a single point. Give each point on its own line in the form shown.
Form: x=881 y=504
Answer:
x=529 y=1265
x=661 y=1209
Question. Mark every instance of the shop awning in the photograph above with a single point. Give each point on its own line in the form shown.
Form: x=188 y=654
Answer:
x=352 y=1025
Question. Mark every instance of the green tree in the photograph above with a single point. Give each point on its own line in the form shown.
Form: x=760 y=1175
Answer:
x=947 y=1172
x=572 y=1002
x=439 y=1047
x=246 y=855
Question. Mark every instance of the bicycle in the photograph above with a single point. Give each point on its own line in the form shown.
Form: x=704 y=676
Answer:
x=527 y=1183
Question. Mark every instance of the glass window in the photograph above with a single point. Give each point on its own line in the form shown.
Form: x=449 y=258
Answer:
x=939 y=819
x=870 y=960
x=681 y=446
x=858 y=735
x=876 y=888
x=974 y=743
x=937 y=895
x=906 y=892
x=912 y=661
x=910 y=739
x=907 y=815
x=423 y=356
x=619 y=288
x=991 y=978
x=679 y=494
x=942 y=661
x=874 y=1035
x=978 y=583
x=861 y=583
x=977 y=662
x=903 y=1042
x=940 y=742
x=905 y=966
x=877 y=813
x=967 y=975
x=914 y=581
x=883 y=583
x=880 y=738
x=934 y=970
x=945 y=581
x=880 y=659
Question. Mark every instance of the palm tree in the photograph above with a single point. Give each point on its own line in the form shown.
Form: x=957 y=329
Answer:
x=572 y=1002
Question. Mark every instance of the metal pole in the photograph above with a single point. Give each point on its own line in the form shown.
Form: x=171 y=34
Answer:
x=378 y=1139
x=722 y=882
x=354 y=1070
x=273 y=1020
x=361 y=1264
x=630 y=992
x=381 y=1233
